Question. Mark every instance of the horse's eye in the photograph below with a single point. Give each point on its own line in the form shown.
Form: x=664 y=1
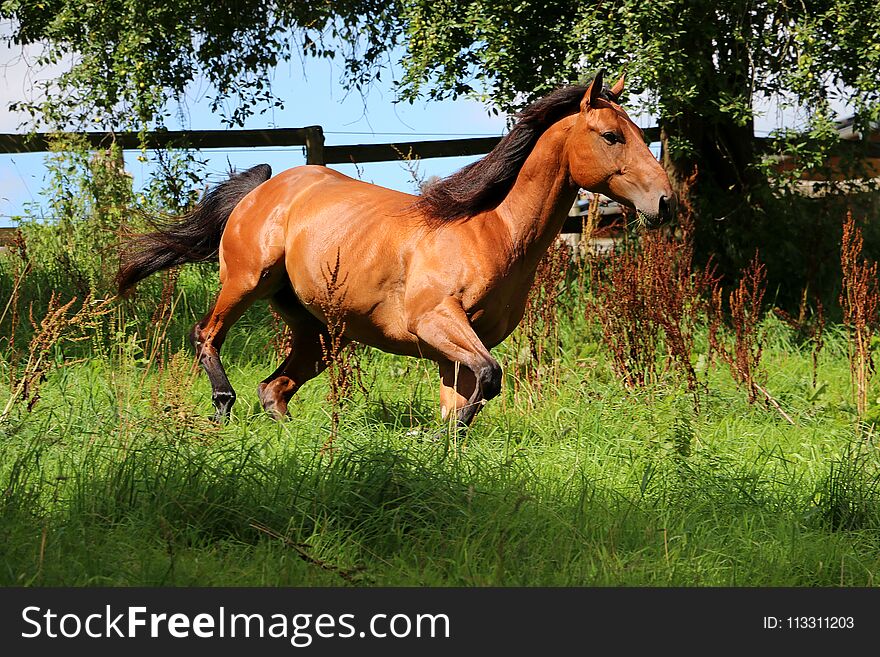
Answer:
x=610 y=137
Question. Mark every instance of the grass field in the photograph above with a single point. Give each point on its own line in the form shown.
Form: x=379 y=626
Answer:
x=118 y=477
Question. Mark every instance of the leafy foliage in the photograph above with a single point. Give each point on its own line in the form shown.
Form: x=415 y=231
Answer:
x=72 y=236
x=127 y=58
x=712 y=59
x=704 y=68
x=682 y=57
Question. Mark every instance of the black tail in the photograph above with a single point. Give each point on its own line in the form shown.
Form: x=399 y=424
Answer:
x=193 y=237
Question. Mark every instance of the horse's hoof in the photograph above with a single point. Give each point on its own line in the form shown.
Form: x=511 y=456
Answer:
x=423 y=434
x=276 y=413
x=270 y=402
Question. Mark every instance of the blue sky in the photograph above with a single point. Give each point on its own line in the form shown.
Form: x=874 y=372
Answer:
x=312 y=94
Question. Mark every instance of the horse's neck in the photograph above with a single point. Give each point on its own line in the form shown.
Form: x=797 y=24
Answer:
x=538 y=203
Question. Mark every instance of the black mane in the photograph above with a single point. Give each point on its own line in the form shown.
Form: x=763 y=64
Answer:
x=482 y=185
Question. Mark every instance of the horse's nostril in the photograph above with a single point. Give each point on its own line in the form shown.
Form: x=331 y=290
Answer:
x=665 y=208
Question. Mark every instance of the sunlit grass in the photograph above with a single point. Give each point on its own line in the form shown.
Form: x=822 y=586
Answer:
x=117 y=477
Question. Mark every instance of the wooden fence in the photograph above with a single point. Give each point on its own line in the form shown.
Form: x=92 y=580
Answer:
x=312 y=138
x=6 y=235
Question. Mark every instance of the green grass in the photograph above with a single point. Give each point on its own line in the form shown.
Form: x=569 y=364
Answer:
x=117 y=477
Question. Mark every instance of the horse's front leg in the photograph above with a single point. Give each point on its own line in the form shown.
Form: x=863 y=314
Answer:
x=446 y=335
x=457 y=387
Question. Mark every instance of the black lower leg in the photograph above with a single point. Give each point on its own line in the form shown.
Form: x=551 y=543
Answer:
x=488 y=387
x=222 y=393
x=467 y=413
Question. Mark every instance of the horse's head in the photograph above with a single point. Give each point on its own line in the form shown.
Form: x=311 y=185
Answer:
x=608 y=154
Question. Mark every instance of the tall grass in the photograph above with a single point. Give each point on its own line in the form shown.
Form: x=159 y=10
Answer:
x=595 y=486
x=594 y=468
x=117 y=476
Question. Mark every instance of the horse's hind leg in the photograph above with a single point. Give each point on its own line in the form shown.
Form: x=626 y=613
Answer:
x=236 y=296
x=305 y=360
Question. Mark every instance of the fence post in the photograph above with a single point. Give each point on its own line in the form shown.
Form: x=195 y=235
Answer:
x=314 y=145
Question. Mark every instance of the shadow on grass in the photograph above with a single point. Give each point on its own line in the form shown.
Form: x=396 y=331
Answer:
x=387 y=511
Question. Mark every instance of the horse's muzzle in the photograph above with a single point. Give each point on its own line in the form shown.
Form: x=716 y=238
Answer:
x=661 y=215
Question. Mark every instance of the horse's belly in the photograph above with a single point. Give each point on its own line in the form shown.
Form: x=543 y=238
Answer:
x=353 y=273
x=372 y=316
x=383 y=328
x=492 y=333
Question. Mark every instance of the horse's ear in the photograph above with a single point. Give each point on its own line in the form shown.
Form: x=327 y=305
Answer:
x=593 y=91
x=617 y=89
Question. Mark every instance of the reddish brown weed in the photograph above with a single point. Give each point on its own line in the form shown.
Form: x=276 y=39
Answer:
x=647 y=296
x=540 y=325
x=281 y=335
x=860 y=300
x=674 y=295
x=621 y=308
x=744 y=359
x=61 y=323
x=340 y=357
x=161 y=317
x=745 y=315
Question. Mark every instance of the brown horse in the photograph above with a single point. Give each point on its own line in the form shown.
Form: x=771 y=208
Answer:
x=443 y=276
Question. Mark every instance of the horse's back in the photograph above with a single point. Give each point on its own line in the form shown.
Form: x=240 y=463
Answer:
x=327 y=186
x=325 y=211
x=317 y=201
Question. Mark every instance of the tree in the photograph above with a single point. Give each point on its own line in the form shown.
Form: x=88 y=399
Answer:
x=126 y=59
x=699 y=66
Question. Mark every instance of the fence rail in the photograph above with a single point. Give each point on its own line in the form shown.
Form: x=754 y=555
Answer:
x=360 y=153
x=40 y=141
x=312 y=138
